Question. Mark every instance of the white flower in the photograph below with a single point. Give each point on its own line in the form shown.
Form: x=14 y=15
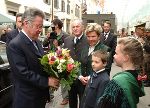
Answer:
x=70 y=60
x=62 y=61
x=59 y=67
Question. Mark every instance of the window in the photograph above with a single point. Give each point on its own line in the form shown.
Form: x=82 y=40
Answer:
x=90 y=21
x=68 y=8
x=56 y=4
x=77 y=11
x=68 y=26
x=13 y=8
x=13 y=13
x=47 y=2
x=62 y=6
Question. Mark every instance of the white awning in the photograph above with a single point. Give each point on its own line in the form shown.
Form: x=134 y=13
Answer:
x=5 y=19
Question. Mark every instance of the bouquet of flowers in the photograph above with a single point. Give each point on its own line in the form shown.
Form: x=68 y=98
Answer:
x=60 y=65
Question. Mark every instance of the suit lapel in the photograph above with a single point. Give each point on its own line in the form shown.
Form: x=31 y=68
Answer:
x=108 y=39
x=41 y=51
x=31 y=46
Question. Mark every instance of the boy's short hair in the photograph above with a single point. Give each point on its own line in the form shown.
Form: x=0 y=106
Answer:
x=102 y=54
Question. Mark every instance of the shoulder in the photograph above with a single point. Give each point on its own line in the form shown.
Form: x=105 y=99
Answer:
x=15 y=41
x=69 y=38
x=13 y=31
x=113 y=35
x=83 y=40
x=65 y=34
x=20 y=38
x=104 y=75
x=103 y=46
x=84 y=36
x=123 y=77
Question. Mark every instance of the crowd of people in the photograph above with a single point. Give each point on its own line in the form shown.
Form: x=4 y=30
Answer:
x=94 y=46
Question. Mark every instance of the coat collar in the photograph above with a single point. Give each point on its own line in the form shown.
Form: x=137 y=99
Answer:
x=27 y=41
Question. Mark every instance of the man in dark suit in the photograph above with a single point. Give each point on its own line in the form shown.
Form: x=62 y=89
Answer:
x=29 y=80
x=75 y=44
x=110 y=40
x=13 y=33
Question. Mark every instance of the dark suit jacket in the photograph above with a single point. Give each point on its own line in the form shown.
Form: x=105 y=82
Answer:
x=111 y=42
x=75 y=50
x=30 y=82
x=12 y=34
x=77 y=88
x=86 y=60
x=94 y=89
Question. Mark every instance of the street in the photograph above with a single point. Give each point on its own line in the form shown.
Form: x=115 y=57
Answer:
x=143 y=103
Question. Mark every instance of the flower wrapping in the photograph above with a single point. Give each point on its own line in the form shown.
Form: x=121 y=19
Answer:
x=60 y=65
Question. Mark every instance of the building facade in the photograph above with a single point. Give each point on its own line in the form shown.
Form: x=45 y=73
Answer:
x=66 y=10
x=100 y=19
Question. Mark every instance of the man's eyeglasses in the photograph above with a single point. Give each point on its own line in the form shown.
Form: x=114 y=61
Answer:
x=37 y=26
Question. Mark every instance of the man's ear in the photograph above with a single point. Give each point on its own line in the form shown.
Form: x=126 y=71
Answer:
x=25 y=22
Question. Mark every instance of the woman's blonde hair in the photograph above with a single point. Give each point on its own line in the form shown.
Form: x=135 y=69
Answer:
x=93 y=27
x=133 y=48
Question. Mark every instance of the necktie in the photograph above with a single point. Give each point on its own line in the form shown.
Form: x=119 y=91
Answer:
x=35 y=45
x=105 y=36
x=93 y=75
x=77 y=40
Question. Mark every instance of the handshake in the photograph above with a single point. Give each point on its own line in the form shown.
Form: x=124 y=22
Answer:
x=53 y=82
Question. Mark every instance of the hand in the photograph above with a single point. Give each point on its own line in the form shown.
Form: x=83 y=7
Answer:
x=48 y=35
x=53 y=82
x=141 y=40
x=87 y=78
x=83 y=80
x=55 y=43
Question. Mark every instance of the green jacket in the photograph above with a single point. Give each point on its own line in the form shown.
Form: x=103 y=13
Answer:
x=123 y=91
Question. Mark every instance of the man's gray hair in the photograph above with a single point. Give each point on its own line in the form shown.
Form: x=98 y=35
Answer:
x=79 y=21
x=31 y=13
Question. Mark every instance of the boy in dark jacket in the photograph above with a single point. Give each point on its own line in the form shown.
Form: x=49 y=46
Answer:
x=98 y=81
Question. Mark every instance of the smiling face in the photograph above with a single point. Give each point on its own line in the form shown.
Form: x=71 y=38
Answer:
x=34 y=28
x=97 y=63
x=106 y=27
x=77 y=28
x=92 y=38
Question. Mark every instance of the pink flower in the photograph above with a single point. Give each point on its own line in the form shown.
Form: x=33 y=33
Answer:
x=59 y=52
x=70 y=67
x=52 y=60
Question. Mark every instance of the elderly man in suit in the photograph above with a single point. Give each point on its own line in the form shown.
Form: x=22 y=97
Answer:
x=110 y=40
x=12 y=34
x=29 y=80
x=75 y=44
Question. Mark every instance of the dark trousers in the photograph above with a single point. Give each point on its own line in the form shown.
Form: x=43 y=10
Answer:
x=109 y=64
x=77 y=89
